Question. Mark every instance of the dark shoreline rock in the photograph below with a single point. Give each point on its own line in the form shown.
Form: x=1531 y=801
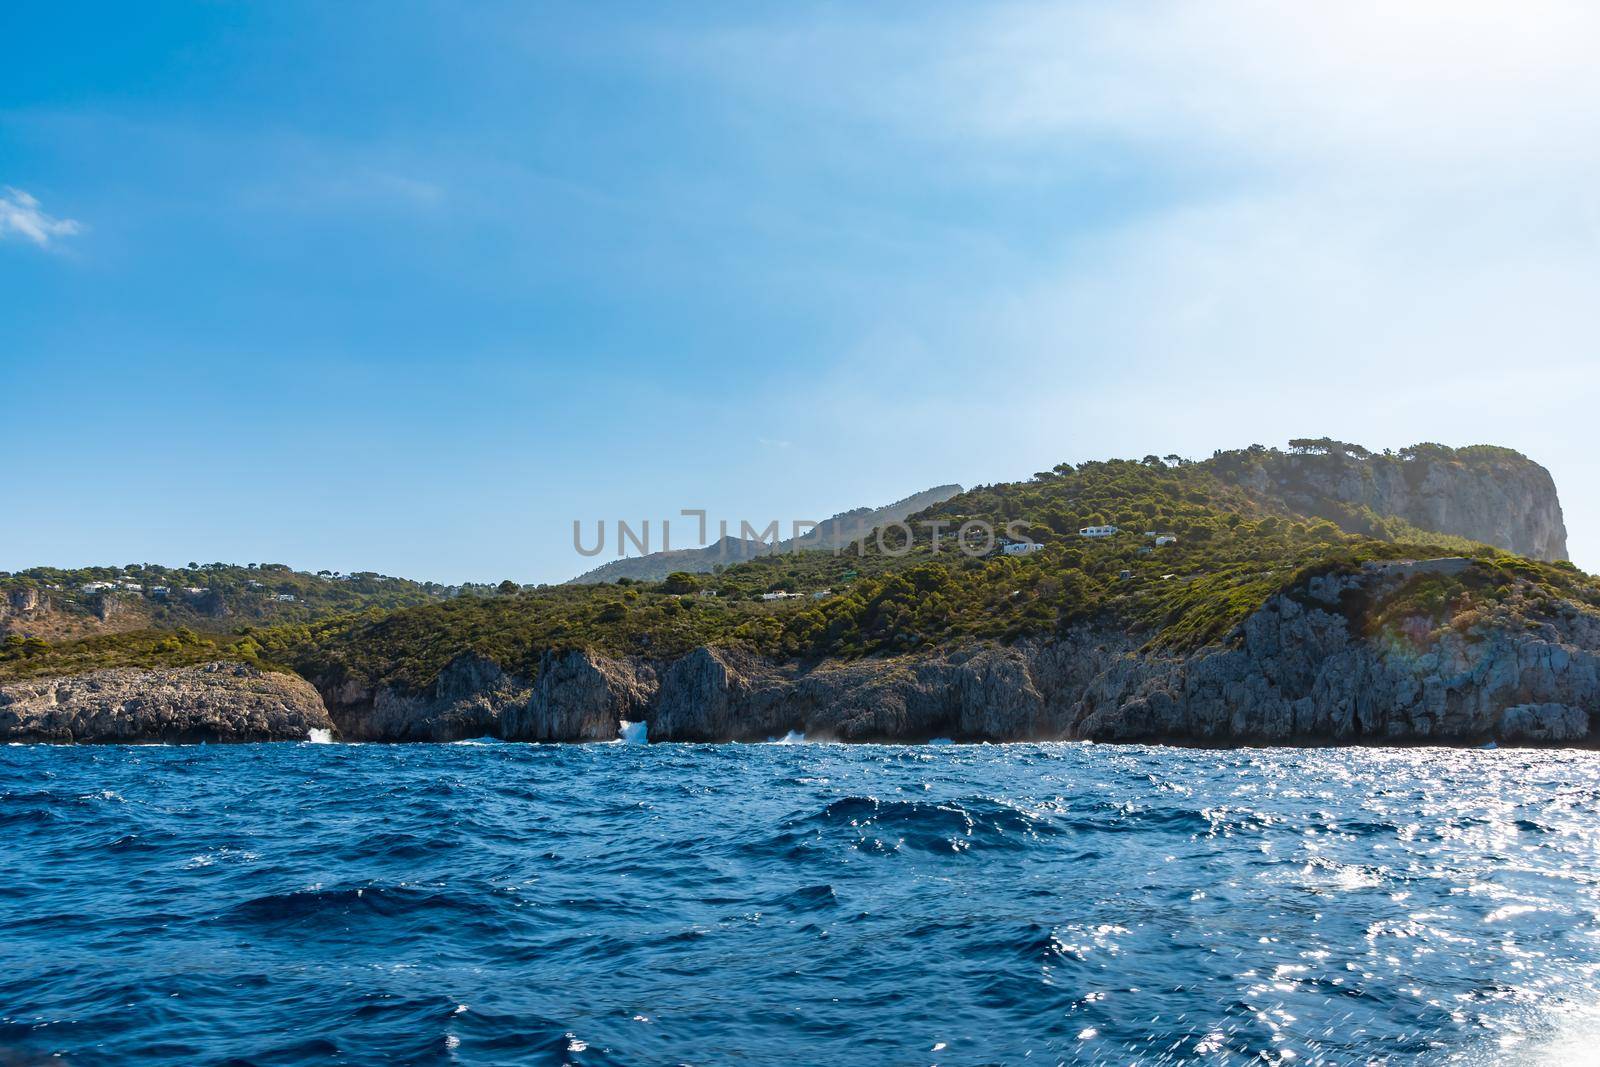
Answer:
x=214 y=702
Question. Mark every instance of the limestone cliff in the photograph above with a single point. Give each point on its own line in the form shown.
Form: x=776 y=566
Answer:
x=214 y=702
x=1487 y=494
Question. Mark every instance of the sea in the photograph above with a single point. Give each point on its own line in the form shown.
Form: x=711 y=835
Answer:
x=797 y=903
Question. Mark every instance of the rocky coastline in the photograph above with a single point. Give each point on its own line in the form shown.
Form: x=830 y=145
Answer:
x=214 y=702
x=1295 y=672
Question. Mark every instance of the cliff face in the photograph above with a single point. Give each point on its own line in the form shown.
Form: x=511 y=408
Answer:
x=214 y=702
x=1298 y=673
x=1490 y=495
x=1300 y=670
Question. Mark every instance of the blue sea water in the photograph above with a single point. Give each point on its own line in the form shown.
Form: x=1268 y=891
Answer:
x=797 y=904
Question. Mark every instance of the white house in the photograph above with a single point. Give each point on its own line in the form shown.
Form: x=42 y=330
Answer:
x=1021 y=548
x=778 y=596
x=1166 y=539
x=97 y=587
x=1097 y=531
x=285 y=597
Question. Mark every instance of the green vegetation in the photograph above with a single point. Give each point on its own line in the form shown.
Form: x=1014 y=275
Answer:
x=213 y=596
x=1238 y=542
x=29 y=657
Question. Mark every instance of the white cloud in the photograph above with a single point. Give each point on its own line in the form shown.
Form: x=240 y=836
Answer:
x=20 y=215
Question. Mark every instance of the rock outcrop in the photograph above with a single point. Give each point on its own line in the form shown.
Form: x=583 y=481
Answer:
x=579 y=697
x=1298 y=674
x=213 y=702
x=573 y=697
x=1490 y=495
x=466 y=700
x=25 y=601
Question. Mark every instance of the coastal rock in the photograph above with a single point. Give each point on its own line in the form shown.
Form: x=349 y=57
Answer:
x=212 y=702
x=1551 y=723
x=1295 y=673
x=467 y=699
x=580 y=697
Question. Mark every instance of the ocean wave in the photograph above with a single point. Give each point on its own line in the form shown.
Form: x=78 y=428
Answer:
x=966 y=825
x=383 y=901
x=766 y=904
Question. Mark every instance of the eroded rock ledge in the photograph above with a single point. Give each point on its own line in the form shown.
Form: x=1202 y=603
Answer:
x=212 y=702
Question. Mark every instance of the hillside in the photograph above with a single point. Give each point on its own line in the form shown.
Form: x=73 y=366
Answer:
x=62 y=604
x=1202 y=554
x=837 y=530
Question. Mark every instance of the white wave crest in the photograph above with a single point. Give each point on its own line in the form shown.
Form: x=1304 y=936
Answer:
x=320 y=737
x=633 y=733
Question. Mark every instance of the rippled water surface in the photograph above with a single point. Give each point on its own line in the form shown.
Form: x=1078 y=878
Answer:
x=797 y=904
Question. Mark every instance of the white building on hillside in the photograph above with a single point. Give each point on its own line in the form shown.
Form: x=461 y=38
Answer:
x=1097 y=531
x=1021 y=548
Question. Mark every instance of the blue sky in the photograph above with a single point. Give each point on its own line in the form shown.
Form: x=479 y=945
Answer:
x=410 y=287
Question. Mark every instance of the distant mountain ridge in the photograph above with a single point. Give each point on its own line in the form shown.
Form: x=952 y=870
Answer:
x=832 y=532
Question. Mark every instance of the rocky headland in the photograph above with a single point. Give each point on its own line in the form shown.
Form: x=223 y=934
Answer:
x=1298 y=671
x=213 y=702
